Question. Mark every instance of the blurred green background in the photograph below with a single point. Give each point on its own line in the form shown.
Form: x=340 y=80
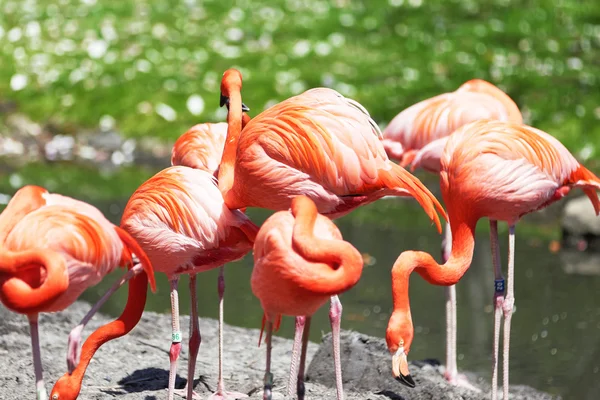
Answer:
x=155 y=66
x=140 y=73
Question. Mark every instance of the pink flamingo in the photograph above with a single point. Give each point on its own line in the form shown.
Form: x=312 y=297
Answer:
x=319 y=144
x=439 y=116
x=418 y=135
x=502 y=171
x=178 y=216
x=300 y=260
x=52 y=248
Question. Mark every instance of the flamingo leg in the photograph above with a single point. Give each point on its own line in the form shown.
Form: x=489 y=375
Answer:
x=74 y=340
x=221 y=393
x=498 y=302
x=175 y=337
x=292 y=381
x=451 y=325
x=335 y=317
x=268 y=382
x=193 y=344
x=302 y=367
x=508 y=305
x=37 y=359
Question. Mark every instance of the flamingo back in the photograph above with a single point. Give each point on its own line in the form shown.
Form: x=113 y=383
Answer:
x=201 y=147
x=180 y=220
x=276 y=264
x=504 y=169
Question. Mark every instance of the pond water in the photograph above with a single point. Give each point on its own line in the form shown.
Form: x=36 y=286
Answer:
x=555 y=342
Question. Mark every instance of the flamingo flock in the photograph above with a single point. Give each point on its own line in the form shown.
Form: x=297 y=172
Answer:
x=311 y=159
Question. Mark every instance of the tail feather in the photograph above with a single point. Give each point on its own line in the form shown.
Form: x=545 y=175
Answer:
x=250 y=230
x=408 y=157
x=134 y=246
x=400 y=179
x=586 y=180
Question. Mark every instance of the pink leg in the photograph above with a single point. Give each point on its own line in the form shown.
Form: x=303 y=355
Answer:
x=508 y=305
x=193 y=345
x=74 y=340
x=335 y=317
x=221 y=393
x=292 y=381
x=37 y=359
x=451 y=370
x=300 y=384
x=268 y=382
x=451 y=373
x=175 y=337
x=498 y=302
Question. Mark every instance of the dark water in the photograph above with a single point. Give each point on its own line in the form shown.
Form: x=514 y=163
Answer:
x=555 y=342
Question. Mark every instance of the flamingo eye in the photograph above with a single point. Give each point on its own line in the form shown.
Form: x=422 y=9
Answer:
x=55 y=396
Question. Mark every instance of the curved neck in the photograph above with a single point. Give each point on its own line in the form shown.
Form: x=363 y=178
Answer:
x=447 y=274
x=68 y=386
x=338 y=264
x=234 y=129
x=18 y=294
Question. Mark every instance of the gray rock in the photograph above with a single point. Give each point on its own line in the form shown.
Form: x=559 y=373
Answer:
x=580 y=225
x=136 y=366
x=366 y=367
x=579 y=217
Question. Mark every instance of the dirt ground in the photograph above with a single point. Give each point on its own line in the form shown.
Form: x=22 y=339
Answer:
x=135 y=367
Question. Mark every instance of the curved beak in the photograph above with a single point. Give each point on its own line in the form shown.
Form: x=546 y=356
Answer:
x=400 y=368
x=224 y=101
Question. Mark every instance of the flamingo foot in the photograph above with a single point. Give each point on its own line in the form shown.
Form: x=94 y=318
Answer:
x=183 y=393
x=460 y=380
x=74 y=348
x=225 y=395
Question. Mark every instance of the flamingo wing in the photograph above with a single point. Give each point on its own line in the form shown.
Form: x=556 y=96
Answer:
x=322 y=135
x=506 y=163
x=180 y=212
x=200 y=147
x=439 y=116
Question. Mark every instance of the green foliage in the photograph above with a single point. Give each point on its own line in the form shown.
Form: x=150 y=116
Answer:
x=87 y=59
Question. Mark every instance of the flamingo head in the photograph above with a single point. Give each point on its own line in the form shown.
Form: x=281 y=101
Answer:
x=231 y=81
x=65 y=388
x=399 y=336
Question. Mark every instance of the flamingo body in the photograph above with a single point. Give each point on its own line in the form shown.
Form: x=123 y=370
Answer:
x=522 y=169
x=178 y=216
x=439 y=116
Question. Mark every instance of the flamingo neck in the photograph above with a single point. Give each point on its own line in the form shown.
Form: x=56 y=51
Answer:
x=69 y=386
x=234 y=129
x=22 y=293
x=424 y=264
x=337 y=264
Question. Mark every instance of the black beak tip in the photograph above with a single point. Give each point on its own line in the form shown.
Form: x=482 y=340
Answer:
x=223 y=100
x=245 y=108
x=406 y=380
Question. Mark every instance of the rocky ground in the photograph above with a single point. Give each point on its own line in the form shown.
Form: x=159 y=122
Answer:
x=136 y=366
